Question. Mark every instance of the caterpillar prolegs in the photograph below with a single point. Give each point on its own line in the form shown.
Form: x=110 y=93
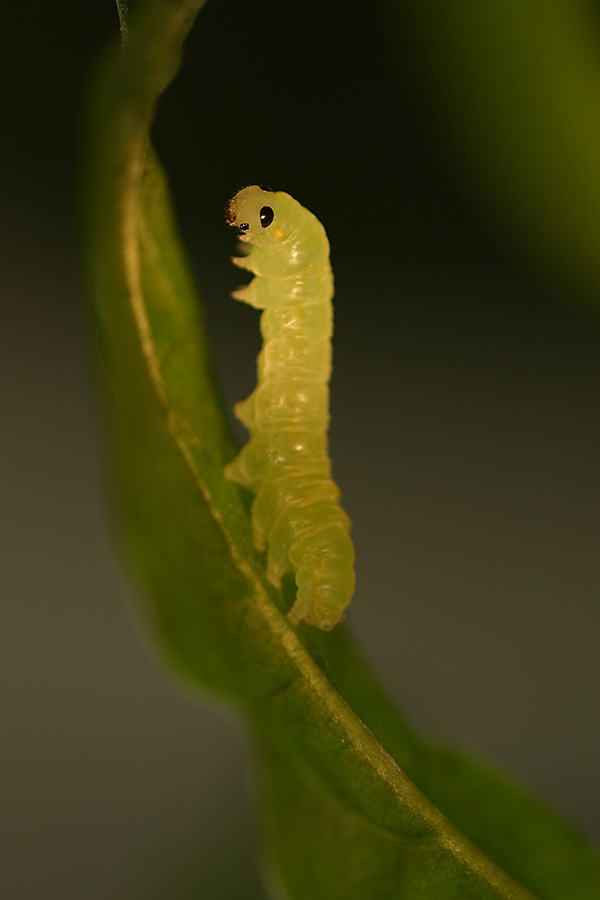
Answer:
x=296 y=514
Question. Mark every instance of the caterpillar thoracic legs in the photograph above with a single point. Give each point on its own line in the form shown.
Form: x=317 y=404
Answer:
x=296 y=515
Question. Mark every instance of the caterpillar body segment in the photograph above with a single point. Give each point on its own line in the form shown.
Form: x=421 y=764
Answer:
x=296 y=514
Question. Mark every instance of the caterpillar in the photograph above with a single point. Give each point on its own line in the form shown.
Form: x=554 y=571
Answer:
x=296 y=513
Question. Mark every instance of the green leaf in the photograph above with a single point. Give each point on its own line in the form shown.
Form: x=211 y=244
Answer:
x=339 y=768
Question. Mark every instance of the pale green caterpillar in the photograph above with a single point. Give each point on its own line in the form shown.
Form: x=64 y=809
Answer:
x=296 y=513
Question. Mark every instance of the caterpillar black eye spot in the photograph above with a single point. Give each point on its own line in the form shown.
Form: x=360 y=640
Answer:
x=266 y=216
x=244 y=226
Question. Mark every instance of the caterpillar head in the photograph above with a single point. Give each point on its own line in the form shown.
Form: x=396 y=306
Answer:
x=254 y=212
x=285 y=239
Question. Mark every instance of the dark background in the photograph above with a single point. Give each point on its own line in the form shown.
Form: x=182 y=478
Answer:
x=466 y=401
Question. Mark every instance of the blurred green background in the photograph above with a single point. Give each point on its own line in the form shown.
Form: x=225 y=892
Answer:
x=466 y=401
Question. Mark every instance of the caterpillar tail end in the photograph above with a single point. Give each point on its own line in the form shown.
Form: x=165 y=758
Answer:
x=323 y=607
x=325 y=575
x=317 y=616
